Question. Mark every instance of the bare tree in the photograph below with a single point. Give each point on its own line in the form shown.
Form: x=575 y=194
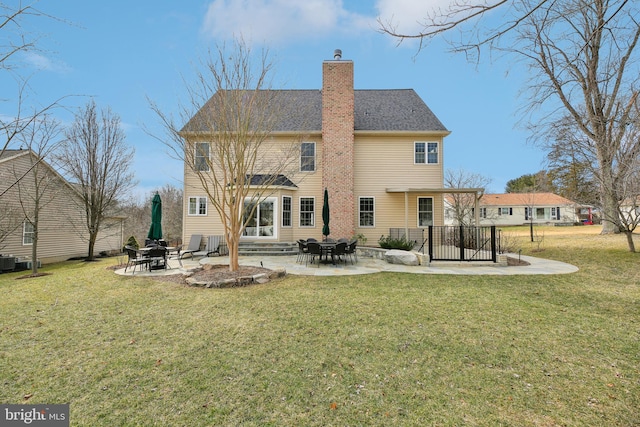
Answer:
x=94 y=155
x=227 y=144
x=15 y=40
x=584 y=65
x=41 y=186
x=463 y=204
x=139 y=214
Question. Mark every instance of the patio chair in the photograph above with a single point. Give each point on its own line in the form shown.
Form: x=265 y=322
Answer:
x=340 y=251
x=135 y=259
x=213 y=245
x=194 y=246
x=157 y=258
x=302 y=251
x=351 y=251
x=313 y=250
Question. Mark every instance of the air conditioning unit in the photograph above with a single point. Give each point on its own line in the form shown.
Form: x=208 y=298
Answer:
x=7 y=263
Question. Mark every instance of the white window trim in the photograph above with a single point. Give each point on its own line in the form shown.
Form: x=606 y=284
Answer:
x=198 y=200
x=300 y=212
x=374 y=212
x=290 y=212
x=315 y=156
x=426 y=152
x=274 y=201
x=418 y=211
x=195 y=156
x=24 y=233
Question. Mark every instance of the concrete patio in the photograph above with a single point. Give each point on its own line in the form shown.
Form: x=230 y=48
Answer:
x=366 y=265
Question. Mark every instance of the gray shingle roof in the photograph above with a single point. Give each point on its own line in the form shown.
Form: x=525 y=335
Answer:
x=375 y=110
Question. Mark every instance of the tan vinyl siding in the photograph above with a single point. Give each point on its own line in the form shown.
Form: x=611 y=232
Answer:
x=62 y=230
x=309 y=185
x=386 y=162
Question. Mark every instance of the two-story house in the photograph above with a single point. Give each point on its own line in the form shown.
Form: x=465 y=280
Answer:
x=379 y=154
x=26 y=179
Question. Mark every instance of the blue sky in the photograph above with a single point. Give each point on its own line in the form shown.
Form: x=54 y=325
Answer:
x=123 y=52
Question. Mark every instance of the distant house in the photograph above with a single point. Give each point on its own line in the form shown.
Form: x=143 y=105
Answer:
x=523 y=208
x=62 y=229
x=630 y=211
x=379 y=153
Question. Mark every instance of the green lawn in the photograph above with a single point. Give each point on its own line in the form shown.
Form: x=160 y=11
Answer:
x=384 y=349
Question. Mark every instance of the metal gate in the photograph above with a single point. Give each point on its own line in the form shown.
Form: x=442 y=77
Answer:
x=460 y=243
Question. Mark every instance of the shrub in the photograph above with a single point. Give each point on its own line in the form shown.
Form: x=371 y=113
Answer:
x=401 y=243
x=131 y=241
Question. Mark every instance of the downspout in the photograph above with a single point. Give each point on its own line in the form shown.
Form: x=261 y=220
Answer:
x=477 y=207
x=406 y=215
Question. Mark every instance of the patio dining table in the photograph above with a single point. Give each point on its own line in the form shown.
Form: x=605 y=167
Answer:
x=328 y=248
x=155 y=263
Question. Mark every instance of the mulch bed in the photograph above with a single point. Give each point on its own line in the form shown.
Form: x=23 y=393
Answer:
x=212 y=273
x=514 y=262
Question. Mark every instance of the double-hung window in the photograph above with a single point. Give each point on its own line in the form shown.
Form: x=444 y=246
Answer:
x=367 y=212
x=28 y=233
x=197 y=206
x=425 y=153
x=308 y=156
x=425 y=211
x=201 y=157
x=307 y=212
x=286 y=211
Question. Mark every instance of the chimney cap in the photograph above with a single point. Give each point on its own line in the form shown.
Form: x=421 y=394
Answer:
x=337 y=54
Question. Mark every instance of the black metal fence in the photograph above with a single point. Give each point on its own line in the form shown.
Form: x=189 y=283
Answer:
x=454 y=243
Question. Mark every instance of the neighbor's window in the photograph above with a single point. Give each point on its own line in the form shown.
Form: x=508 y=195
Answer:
x=366 y=212
x=307 y=212
x=286 y=211
x=28 y=233
x=425 y=211
x=426 y=153
x=308 y=156
x=201 y=160
x=197 y=205
x=483 y=212
x=505 y=211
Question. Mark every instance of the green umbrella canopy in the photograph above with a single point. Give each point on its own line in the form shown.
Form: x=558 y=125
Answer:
x=325 y=214
x=155 y=231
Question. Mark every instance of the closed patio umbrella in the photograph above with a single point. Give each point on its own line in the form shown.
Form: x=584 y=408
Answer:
x=325 y=214
x=155 y=231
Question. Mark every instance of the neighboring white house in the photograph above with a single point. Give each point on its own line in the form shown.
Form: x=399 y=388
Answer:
x=62 y=230
x=630 y=211
x=521 y=208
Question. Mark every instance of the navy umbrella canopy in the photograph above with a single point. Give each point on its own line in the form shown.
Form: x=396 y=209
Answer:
x=325 y=214
x=155 y=231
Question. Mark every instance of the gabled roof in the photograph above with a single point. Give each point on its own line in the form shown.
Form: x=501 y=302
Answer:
x=525 y=199
x=9 y=153
x=390 y=110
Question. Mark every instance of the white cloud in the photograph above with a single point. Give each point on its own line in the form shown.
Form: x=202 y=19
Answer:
x=43 y=63
x=280 y=21
x=407 y=15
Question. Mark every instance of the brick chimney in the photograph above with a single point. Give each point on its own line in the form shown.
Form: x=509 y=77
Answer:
x=338 y=143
